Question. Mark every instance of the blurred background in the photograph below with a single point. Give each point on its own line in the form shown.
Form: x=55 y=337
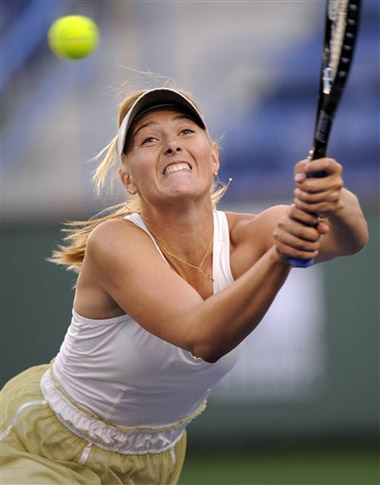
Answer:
x=302 y=405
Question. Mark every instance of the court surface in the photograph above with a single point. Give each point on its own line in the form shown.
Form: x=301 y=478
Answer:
x=330 y=467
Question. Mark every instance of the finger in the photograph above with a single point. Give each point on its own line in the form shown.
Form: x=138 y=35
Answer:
x=331 y=195
x=300 y=167
x=308 y=219
x=298 y=229
x=315 y=185
x=296 y=241
x=323 y=228
x=291 y=252
x=300 y=177
x=328 y=165
x=302 y=216
x=321 y=208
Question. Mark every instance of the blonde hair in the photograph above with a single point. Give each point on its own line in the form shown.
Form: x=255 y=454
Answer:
x=77 y=232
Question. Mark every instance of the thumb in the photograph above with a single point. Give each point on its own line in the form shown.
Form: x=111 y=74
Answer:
x=323 y=228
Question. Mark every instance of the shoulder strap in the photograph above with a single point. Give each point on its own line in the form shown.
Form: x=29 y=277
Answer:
x=138 y=221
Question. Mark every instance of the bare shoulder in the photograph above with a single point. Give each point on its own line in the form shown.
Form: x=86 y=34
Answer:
x=112 y=247
x=116 y=235
x=107 y=230
x=119 y=247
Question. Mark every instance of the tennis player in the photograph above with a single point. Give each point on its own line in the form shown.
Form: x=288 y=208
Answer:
x=168 y=288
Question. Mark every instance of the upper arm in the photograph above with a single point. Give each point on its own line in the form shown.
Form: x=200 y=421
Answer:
x=130 y=269
x=252 y=236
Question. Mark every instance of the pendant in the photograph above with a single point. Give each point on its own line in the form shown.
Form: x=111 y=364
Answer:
x=206 y=275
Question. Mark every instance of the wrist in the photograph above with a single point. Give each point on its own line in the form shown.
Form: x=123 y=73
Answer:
x=276 y=258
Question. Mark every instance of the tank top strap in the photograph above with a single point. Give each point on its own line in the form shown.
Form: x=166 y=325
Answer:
x=138 y=221
x=222 y=274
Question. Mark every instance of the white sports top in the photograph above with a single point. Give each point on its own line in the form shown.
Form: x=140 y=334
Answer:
x=116 y=369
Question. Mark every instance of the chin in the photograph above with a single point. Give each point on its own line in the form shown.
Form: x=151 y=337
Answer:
x=182 y=190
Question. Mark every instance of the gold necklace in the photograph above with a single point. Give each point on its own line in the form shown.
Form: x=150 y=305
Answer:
x=198 y=268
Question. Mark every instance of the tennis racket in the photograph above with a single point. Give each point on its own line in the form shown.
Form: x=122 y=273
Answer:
x=341 y=28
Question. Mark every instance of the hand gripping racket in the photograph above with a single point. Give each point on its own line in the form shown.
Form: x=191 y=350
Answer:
x=341 y=28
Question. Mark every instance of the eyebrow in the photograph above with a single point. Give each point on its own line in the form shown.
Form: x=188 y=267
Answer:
x=143 y=126
x=178 y=117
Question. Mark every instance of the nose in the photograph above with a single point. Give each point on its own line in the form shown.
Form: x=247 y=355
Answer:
x=173 y=147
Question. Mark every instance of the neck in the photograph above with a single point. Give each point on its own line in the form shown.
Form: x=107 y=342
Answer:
x=186 y=232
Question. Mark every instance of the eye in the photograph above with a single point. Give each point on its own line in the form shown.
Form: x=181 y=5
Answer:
x=148 y=140
x=187 y=131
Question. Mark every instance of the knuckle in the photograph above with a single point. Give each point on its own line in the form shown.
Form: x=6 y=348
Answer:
x=302 y=232
x=306 y=197
x=300 y=163
x=299 y=253
x=298 y=203
x=301 y=195
x=292 y=210
x=325 y=207
x=313 y=235
x=307 y=186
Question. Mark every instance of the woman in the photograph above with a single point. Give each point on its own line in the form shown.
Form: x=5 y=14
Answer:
x=168 y=287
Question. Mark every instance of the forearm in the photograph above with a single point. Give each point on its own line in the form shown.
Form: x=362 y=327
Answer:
x=225 y=319
x=348 y=228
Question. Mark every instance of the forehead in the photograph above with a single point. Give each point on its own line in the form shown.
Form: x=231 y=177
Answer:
x=158 y=116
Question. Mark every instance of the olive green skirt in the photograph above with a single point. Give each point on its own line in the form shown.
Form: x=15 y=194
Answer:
x=37 y=448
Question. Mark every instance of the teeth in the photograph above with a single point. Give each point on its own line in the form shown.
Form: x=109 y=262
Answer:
x=178 y=167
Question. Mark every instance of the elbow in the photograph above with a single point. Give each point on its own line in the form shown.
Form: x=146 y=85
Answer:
x=361 y=241
x=365 y=237
x=356 y=244
x=210 y=344
x=208 y=353
x=212 y=357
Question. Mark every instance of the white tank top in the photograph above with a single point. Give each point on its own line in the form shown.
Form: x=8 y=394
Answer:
x=116 y=369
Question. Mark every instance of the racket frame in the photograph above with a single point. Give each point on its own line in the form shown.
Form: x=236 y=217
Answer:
x=330 y=90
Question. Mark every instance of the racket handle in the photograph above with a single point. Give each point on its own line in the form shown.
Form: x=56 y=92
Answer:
x=300 y=263
x=316 y=175
x=305 y=263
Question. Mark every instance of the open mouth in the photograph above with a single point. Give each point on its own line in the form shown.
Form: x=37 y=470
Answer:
x=177 y=167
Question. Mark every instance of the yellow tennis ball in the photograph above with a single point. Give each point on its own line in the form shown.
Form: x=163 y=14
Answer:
x=73 y=37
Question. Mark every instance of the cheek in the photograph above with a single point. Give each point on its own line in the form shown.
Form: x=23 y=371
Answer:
x=203 y=151
x=141 y=169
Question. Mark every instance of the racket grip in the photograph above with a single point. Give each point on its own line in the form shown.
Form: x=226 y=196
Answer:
x=316 y=175
x=301 y=263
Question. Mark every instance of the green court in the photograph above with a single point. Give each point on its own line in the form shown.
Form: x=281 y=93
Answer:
x=330 y=467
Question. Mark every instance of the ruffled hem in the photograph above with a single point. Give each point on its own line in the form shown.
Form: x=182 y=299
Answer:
x=120 y=439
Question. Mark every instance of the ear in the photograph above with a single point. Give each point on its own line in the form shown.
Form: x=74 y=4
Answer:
x=215 y=158
x=127 y=181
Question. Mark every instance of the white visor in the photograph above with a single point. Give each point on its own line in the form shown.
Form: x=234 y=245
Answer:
x=155 y=99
